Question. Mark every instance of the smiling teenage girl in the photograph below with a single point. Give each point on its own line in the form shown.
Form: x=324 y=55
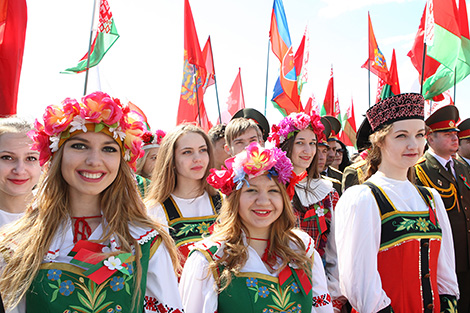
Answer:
x=255 y=261
x=395 y=249
x=179 y=195
x=86 y=243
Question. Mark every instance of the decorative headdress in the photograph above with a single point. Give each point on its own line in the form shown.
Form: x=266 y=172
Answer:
x=97 y=112
x=250 y=163
x=152 y=140
x=290 y=125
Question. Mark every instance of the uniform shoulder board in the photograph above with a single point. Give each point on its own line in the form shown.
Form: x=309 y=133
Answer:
x=358 y=164
x=421 y=160
x=335 y=170
x=331 y=179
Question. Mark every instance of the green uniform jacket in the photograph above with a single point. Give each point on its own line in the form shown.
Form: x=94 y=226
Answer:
x=456 y=196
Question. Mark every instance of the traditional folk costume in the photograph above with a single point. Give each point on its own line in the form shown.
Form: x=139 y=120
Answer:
x=254 y=288
x=7 y=217
x=390 y=249
x=189 y=219
x=68 y=281
x=394 y=239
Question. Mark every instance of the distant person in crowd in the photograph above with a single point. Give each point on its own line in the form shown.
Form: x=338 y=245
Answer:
x=255 y=261
x=146 y=164
x=313 y=198
x=258 y=118
x=464 y=142
x=217 y=136
x=439 y=170
x=341 y=157
x=239 y=133
x=332 y=139
x=86 y=243
x=179 y=195
x=19 y=168
x=394 y=240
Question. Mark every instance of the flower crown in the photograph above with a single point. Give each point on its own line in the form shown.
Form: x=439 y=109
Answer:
x=250 y=163
x=153 y=140
x=290 y=125
x=97 y=112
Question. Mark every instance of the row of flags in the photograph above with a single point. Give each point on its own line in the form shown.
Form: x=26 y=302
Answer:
x=443 y=38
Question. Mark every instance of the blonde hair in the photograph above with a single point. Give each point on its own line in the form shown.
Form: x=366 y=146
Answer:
x=14 y=125
x=230 y=227
x=140 y=164
x=164 y=174
x=237 y=127
x=27 y=241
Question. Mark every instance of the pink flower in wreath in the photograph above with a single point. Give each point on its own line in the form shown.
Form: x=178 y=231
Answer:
x=301 y=121
x=57 y=118
x=40 y=143
x=135 y=151
x=258 y=161
x=100 y=107
x=221 y=179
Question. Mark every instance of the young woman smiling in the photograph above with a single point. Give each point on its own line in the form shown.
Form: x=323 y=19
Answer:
x=19 y=168
x=395 y=248
x=179 y=196
x=86 y=243
x=313 y=198
x=255 y=261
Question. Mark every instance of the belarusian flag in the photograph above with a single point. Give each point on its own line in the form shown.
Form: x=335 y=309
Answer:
x=447 y=42
x=393 y=86
x=348 y=135
x=328 y=107
x=105 y=37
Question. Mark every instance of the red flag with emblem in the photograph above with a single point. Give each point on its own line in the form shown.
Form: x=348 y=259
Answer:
x=191 y=107
x=376 y=61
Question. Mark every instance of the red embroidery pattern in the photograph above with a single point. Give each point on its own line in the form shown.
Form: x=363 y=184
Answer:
x=152 y=304
x=321 y=300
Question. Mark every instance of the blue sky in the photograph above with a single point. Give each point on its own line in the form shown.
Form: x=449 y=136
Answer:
x=145 y=65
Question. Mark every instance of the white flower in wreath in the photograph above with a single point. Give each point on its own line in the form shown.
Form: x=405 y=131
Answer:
x=117 y=132
x=113 y=263
x=127 y=155
x=54 y=143
x=78 y=123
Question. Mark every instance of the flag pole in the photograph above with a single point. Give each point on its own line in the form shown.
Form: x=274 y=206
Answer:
x=455 y=84
x=266 y=89
x=368 y=79
x=197 y=94
x=422 y=67
x=89 y=47
x=215 y=81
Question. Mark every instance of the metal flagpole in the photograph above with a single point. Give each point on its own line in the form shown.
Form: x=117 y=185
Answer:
x=266 y=89
x=215 y=80
x=455 y=84
x=368 y=78
x=89 y=47
x=197 y=94
x=422 y=67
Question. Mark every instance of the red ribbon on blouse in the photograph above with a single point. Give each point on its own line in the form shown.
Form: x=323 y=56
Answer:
x=294 y=180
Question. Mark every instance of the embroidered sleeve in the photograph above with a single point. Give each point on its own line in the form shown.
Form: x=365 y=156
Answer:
x=162 y=286
x=321 y=297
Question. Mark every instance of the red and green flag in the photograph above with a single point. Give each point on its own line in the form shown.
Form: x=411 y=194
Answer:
x=105 y=37
x=329 y=107
x=444 y=29
x=348 y=135
x=376 y=61
x=392 y=88
x=301 y=61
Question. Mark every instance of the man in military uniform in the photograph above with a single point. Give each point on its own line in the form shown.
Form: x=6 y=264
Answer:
x=355 y=173
x=437 y=169
x=464 y=143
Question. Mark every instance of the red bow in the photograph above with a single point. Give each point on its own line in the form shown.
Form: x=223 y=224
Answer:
x=293 y=181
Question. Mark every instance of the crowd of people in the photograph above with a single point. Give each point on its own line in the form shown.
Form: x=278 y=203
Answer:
x=100 y=213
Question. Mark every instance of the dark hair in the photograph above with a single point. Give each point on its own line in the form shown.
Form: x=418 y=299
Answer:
x=217 y=132
x=345 y=162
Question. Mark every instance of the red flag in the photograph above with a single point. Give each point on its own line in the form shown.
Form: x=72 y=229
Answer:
x=300 y=62
x=329 y=102
x=191 y=107
x=309 y=106
x=13 y=19
x=376 y=59
x=380 y=86
x=392 y=88
x=236 y=100
x=209 y=64
x=348 y=135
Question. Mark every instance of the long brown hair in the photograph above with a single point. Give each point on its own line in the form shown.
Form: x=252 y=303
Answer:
x=27 y=241
x=230 y=227
x=164 y=174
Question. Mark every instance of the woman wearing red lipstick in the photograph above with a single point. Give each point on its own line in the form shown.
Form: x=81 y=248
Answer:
x=179 y=196
x=86 y=243
x=19 y=169
x=394 y=239
x=255 y=261
x=313 y=198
